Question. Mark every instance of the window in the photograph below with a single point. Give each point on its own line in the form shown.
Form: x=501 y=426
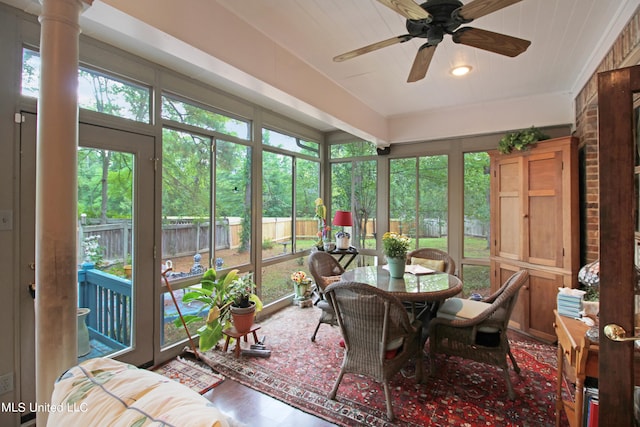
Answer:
x=352 y=149
x=419 y=200
x=476 y=205
x=307 y=185
x=354 y=188
x=96 y=91
x=290 y=143
x=232 y=204
x=290 y=186
x=191 y=114
x=476 y=223
x=277 y=204
x=186 y=200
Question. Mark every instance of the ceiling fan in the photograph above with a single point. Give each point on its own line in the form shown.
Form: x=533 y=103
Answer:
x=435 y=18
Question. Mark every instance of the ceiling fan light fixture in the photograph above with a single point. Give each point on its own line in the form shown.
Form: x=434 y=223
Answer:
x=461 y=70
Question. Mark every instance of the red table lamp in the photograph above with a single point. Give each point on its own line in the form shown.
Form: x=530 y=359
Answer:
x=343 y=219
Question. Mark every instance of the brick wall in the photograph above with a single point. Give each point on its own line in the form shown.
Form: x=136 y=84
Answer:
x=626 y=45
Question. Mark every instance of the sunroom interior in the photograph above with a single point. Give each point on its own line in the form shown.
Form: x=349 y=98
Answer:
x=188 y=161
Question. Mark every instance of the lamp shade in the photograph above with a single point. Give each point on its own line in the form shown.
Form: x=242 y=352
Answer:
x=343 y=218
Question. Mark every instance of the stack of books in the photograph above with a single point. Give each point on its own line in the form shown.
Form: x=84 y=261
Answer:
x=591 y=407
x=569 y=305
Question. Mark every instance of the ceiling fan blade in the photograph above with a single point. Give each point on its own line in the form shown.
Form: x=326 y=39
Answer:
x=421 y=63
x=407 y=8
x=493 y=42
x=372 y=47
x=478 y=8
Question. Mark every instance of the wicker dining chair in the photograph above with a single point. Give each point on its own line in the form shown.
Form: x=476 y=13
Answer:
x=429 y=256
x=325 y=270
x=477 y=330
x=378 y=335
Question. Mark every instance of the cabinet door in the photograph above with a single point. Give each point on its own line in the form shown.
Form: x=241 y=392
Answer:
x=533 y=313
x=507 y=208
x=542 y=299
x=543 y=209
x=501 y=272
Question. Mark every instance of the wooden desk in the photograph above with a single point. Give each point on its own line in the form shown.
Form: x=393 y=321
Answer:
x=580 y=358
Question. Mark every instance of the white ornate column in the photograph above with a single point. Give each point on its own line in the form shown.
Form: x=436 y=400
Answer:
x=56 y=196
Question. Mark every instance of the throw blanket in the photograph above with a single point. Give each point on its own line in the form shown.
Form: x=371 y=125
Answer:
x=105 y=392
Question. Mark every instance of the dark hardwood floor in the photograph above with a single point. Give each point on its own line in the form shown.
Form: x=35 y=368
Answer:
x=256 y=409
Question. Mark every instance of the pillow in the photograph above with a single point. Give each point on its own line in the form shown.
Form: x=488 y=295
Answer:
x=434 y=264
x=465 y=309
x=102 y=391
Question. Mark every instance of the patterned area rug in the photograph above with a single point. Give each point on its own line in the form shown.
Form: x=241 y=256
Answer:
x=195 y=375
x=462 y=393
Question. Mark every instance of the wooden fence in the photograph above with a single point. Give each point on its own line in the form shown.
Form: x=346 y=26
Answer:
x=183 y=237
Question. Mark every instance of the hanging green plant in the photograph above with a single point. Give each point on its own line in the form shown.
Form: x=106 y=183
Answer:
x=521 y=140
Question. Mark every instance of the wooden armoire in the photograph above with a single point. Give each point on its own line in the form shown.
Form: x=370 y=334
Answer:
x=535 y=226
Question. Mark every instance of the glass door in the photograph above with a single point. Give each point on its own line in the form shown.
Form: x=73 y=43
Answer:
x=115 y=246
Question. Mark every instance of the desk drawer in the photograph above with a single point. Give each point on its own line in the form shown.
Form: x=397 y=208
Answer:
x=564 y=340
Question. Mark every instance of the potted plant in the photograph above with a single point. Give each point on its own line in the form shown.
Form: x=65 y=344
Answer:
x=395 y=247
x=520 y=140
x=301 y=284
x=218 y=293
x=244 y=302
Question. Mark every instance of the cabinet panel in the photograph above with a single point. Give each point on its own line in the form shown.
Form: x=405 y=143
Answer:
x=507 y=209
x=544 y=246
x=543 y=213
x=543 y=291
x=533 y=312
x=509 y=245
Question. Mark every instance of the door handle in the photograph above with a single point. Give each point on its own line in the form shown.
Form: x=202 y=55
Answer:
x=617 y=333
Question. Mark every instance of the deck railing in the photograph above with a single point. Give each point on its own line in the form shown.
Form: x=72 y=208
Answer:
x=109 y=299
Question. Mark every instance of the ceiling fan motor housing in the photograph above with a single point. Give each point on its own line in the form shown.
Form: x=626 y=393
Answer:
x=443 y=20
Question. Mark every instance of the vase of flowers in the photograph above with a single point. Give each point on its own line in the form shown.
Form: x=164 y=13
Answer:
x=395 y=247
x=302 y=286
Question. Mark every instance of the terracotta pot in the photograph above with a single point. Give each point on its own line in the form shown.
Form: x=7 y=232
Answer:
x=243 y=317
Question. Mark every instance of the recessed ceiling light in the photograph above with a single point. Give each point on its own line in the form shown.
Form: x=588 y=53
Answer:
x=461 y=70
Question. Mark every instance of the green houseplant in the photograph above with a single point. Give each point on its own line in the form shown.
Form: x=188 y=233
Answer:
x=245 y=303
x=395 y=247
x=520 y=140
x=218 y=293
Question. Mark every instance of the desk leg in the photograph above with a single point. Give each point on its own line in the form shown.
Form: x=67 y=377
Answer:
x=579 y=399
x=559 y=401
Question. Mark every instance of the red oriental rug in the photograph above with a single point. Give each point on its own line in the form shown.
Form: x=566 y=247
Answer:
x=462 y=393
x=195 y=375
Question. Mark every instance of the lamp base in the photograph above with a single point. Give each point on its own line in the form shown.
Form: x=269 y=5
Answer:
x=342 y=243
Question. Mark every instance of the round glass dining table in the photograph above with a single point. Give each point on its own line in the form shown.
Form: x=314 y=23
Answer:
x=433 y=287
